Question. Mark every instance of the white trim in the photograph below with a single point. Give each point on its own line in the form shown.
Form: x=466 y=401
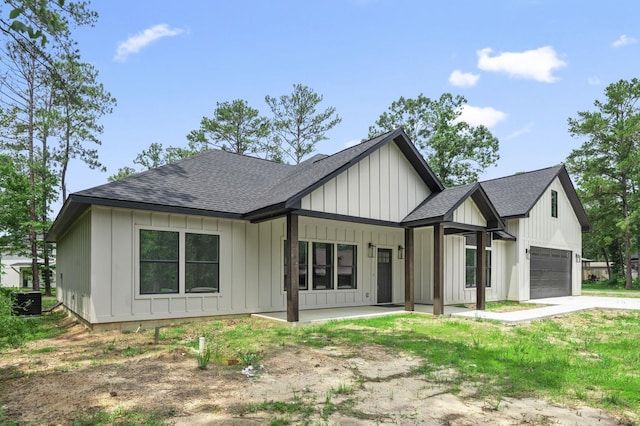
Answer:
x=181 y=262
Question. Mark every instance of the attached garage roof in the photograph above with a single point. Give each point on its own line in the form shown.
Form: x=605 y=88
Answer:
x=514 y=196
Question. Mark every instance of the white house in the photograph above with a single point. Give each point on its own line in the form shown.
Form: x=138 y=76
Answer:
x=15 y=271
x=209 y=235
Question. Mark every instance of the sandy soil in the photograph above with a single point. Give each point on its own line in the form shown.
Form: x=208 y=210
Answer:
x=56 y=380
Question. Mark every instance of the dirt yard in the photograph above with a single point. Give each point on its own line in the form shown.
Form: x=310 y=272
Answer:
x=57 y=380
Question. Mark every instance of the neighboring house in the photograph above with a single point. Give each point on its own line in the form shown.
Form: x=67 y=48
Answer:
x=594 y=270
x=15 y=271
x=209 y=235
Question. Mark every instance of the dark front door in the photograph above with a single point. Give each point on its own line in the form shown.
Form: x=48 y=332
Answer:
x=550 y=274
x=384 y=275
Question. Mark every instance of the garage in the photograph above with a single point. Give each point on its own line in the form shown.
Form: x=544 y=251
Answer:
x=550 y=272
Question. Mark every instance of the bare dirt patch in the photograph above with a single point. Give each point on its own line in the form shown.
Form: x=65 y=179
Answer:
x=53 y=381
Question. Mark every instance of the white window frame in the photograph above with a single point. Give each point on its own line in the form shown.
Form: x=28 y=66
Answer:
x=181 y=262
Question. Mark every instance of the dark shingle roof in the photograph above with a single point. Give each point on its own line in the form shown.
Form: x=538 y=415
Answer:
x=300 y=178
x=439 y=205
x=514 y=196
x=219 y=183
x=216 y=181
x=517 y=194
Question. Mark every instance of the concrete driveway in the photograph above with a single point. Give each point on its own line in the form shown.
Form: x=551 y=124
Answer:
x=557 y=306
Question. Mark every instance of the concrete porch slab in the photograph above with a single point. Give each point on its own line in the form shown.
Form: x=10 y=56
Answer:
x=555 y=306
x=324 y=315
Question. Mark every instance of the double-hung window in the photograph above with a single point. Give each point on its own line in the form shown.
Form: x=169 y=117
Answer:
x=159 y=261
x=202 y=263
x=178 y=262
x=322 y=266
x=471 y=250
x=346 y=266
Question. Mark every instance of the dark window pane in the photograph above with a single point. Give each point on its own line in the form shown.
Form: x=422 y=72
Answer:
x=201 y=247
x=303 y=256
x=202 y=277
x=202 y=263
x=488 y=268
x=158 y=245
x=322 y=266
x=158 y=277
x=554 y=204
x=470 y=268
x=470 y=262
x=159 y=253
x=346 y=266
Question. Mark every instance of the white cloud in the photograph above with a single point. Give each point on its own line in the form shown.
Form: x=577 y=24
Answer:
x=624 y=40
x=144 y=38
x=476 y=116
x=520 y=132
x=537 y=64
x=463 y=79
x=594 y=81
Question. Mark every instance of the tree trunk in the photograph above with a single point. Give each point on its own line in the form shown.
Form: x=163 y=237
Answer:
x=33 y=215
x=627 y=245
x=606 y=260
x=627 y=260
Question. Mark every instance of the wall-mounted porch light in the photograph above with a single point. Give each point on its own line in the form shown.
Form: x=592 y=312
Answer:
x=372 y=250
x=400 y=252
x=527 y=254
x=578 y=259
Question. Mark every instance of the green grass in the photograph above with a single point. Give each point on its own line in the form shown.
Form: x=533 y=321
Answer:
x=43 y=350
x=589 y=354
x=49 y=302
x=611 y=288
x=611 y=285
x=123 y=417
x=589 y=358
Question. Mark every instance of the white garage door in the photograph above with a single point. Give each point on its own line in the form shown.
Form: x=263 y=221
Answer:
x=550 y=272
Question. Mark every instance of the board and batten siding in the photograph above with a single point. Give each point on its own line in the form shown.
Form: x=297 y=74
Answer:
x=251 y=265
x=249 y=273
x=540 y=229
x=336 y=232
x=382 y=186
x=469 y=214
x=73 y=268
x=454 y=270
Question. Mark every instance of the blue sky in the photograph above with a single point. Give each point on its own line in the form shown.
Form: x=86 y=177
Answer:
x=524 y=66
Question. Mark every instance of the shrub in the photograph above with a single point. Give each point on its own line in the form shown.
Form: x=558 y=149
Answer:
x=12 y=327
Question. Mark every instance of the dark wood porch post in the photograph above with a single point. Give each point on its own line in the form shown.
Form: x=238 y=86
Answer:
x=293 y=270
x=481 y=269
x=438 y=269
x=409 y=284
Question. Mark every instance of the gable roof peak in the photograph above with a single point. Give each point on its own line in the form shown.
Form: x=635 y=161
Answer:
x=555 y=169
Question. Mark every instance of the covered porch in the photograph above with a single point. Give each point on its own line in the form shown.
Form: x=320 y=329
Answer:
x=457 y=211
